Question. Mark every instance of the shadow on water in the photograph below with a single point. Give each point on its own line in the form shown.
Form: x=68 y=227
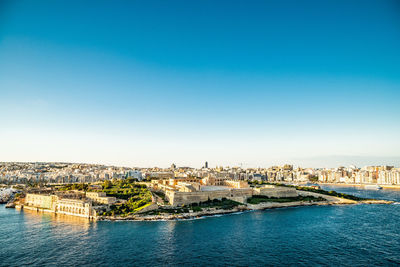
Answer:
x=57 y=218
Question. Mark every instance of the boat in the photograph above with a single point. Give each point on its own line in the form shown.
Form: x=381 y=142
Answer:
x=372 y=187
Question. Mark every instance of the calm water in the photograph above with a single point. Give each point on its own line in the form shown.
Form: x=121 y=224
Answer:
x=356 y=235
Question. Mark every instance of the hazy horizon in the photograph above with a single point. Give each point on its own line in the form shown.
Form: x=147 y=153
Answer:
x=154 y=83
x=316 y=162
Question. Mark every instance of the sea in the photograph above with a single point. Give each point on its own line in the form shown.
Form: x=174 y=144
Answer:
x=351 y=235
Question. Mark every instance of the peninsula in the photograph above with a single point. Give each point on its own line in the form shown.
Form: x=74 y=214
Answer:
x=175 y=198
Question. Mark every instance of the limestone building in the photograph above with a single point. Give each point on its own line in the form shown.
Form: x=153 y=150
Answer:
x=75 y=207
x=187 y=191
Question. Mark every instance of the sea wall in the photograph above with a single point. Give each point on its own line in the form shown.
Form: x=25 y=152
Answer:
x=276 y=191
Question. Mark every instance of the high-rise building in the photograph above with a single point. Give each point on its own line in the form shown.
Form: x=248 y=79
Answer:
x=206 y=165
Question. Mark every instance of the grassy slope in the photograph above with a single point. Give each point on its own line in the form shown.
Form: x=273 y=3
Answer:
x=319 y=191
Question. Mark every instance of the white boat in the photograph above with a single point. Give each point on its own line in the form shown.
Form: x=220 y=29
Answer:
x=372 y=187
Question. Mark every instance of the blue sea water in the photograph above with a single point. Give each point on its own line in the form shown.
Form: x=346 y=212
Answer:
x=354 y=235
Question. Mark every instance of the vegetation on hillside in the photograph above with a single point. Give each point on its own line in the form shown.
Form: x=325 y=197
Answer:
x=137 y=196
x=80 y=187
x=224 y=204
x=260 y=199
x=314 y=190
x=124 y=189
x=329 y=193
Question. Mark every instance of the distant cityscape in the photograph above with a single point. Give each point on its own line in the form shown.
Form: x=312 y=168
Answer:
x=51 y=172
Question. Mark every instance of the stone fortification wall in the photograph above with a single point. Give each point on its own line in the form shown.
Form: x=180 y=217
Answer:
x=278 y=192
x=100 y=197
x=236 y=184
x=177 y=198
x=185 y=198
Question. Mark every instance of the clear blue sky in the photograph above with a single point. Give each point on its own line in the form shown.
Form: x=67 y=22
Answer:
x=145 y=83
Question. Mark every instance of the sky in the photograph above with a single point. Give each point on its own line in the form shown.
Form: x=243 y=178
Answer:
x=234 y=83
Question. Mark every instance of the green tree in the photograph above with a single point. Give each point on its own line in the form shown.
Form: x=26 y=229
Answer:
x=107 y=184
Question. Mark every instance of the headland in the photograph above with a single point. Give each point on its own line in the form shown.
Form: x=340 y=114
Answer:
x=174 y=199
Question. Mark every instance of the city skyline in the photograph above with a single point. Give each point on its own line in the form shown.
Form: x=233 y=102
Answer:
x=334 y=163
x=261 y=84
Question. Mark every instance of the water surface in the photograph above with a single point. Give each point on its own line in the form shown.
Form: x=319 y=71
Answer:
x=354 y=235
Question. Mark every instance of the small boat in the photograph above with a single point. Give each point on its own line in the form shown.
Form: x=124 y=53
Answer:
x=372 y=187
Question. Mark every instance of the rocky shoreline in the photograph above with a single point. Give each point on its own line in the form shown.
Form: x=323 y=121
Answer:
x=7 y=196
x=172 y=215
x=239 y=209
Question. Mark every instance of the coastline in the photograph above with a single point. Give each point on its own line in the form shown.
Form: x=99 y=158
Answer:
x=330 y=201
x=362 y=185
x=171 y=215
x=333 y=201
